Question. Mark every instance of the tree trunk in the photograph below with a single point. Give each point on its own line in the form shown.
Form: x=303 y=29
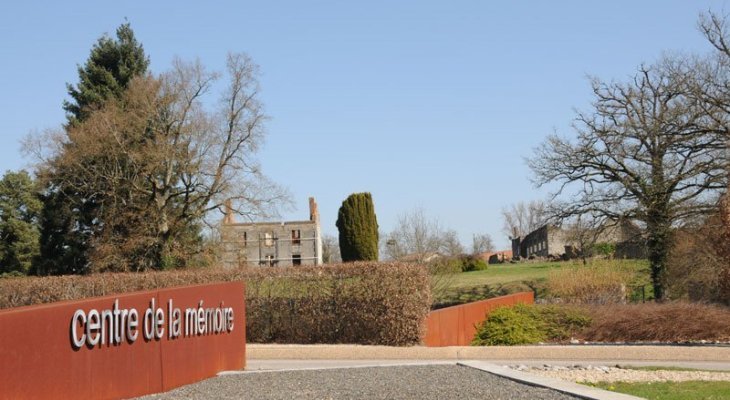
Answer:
x=658 y=244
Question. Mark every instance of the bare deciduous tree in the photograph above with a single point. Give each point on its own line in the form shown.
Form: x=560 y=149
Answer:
x=161 y=161
x=330 y=249
x=450 y=245
x=649 y=151
x=481 y=243
x=523 y=217
x=418 y=237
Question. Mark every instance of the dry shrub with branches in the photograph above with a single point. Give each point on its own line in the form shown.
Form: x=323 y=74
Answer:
x=366 y=303
x=600 y=282
x=699 y=263
x=668 y=322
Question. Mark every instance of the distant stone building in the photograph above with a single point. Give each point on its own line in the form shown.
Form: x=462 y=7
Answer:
x=272 y=244
x=552 y=241
x=545 y=241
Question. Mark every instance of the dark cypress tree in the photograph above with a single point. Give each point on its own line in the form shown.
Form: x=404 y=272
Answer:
x=358 y=228
x=69 y=217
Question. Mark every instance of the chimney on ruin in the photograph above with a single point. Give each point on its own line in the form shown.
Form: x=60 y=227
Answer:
x=228 y=219
x=313 y=211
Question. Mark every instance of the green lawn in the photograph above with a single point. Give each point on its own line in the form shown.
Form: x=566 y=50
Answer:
x=505 y=273
x=691 y=390
x=664 y=368
x=500 y=279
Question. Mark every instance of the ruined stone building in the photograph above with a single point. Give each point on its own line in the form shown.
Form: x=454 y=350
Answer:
x=272 y=244
x=546 y=241
x=553 y=241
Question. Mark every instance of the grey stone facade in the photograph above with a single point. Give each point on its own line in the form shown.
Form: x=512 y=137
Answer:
x=272 y=244
x=552 y=241
x=544 y=242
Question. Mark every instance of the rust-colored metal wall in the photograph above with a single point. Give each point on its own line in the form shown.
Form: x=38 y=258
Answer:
x=456 y=326
x=38 y=359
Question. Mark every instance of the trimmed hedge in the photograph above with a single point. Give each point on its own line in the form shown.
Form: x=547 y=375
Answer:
x=364 y=303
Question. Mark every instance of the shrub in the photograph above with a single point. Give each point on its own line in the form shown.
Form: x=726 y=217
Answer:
x=698 y=267
x=442 y=276
x=650 y=322
x=365 y=303
x=600 y=282
x=470 y=263
x=529 y=324
x=604 y=249
x=462 y=263
x=509 y=326
x=667 y=322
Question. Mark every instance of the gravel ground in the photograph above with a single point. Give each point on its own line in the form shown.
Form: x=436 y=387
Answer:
x=401 y=382
x=593 y=374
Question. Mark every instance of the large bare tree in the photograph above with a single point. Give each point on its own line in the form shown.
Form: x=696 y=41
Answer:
x=521 y=218
x=330 y=249
x=161 y=160
x=649 y=150
x=714 y=88
x=481 y=243
x=418 y=237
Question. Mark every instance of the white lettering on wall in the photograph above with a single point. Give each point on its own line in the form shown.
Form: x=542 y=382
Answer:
x=114 y=326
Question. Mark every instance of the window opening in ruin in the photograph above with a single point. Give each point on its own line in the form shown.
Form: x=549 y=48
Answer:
x=296 y=236
x=268 y=239
x=296 y=259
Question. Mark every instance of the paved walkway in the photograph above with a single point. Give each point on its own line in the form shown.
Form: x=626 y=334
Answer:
x=281 y=364
x=610 y=354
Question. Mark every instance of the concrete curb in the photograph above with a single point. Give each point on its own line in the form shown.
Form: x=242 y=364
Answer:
x=573 y=389
x=581 y=353
x=373 y=364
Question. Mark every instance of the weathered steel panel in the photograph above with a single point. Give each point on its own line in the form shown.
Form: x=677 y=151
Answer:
x=42 y=356
x=456 y=326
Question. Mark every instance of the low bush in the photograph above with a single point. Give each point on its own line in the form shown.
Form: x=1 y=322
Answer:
x=667 y=322
x=365 y=303
x=604 y=249
x=698 y=266
x=650 y=322
x=462 y=263
x=530 y=324
x=471 y=263
x=601 y=282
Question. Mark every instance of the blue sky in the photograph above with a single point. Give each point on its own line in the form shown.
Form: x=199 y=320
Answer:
x=423 y=104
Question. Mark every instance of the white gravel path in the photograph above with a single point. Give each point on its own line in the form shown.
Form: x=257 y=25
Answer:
x=593 y=374
x=424 y=382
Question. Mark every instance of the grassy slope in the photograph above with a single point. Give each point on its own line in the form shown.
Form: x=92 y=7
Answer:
x=470 y=286
x=505 y=273
x=692 y=390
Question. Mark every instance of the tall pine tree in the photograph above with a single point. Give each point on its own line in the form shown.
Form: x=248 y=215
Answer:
x=111 y=66
x=358 y=228
x=69 y=217
x=19 y=209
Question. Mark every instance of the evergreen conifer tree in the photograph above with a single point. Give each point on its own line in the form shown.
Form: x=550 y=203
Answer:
x=19 y=209
x=69 y=217
x=358 y=228
x=111 y=66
